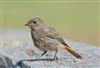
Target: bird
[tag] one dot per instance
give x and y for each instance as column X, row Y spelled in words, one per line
column 46, row 38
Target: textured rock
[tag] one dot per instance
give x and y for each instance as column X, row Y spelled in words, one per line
column 12, row 52
column 6, row 62
column 11, row 58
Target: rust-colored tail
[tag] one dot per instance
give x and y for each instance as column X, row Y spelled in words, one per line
column 72, row 52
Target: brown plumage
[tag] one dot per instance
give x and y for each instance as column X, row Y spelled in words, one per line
column 46, row 38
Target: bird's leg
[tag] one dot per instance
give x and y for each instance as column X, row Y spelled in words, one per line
column 20, row 62
column 55, row 57
column 42, row 54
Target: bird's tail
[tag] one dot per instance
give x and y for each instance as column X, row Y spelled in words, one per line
column 73, row 52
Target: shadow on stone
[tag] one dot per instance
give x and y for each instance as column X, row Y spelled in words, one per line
column 22, row 65
column 6, row 62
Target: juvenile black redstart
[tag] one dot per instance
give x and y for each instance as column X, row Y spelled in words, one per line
column 46, row 38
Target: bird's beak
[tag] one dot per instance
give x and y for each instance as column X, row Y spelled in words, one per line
column 26, row 24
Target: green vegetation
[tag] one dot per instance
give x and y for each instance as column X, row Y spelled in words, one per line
column 74, row 20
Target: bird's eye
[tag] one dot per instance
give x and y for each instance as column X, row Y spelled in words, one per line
column 34, row 22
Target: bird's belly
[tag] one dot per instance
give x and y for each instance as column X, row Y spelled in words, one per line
column 52, row 46
column 37, row 45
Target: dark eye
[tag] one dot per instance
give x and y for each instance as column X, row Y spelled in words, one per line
column 34, row 22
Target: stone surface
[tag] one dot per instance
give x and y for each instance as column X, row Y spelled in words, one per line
column 17, row 46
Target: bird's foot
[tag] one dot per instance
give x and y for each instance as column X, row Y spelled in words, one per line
column 55, row 58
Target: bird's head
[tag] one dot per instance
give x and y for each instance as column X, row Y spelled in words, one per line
column 35, row 23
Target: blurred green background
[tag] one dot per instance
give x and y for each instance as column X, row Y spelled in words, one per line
column 77, row 21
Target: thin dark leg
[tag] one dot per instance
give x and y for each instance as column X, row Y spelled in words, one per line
column 20, row 62
column 34, row 59
column 43, row 53
column 55, row 57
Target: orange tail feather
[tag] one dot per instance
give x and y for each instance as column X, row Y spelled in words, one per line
column 70, row 50
column 74, row 53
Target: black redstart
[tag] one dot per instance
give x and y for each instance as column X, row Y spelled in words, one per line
column 46, row 38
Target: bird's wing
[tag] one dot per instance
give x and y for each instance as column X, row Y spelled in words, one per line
column 54, row 35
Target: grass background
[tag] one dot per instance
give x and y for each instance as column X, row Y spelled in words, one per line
column 74, row 20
